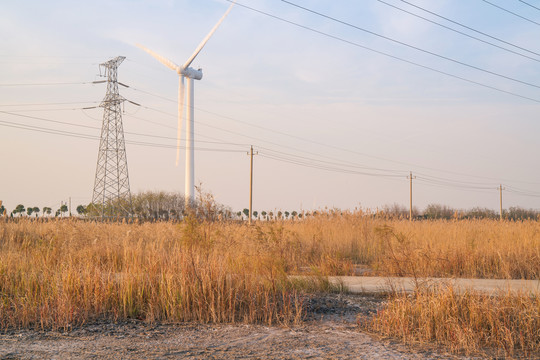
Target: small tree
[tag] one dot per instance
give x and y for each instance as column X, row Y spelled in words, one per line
column 19, row 209
column 63, row 209
column 47, row 210
column 36, row 210
column 81, row 210
column 29, row 211
column 2, row 210
column 255, row 214
column 294, row 214
column 263, row 213
column 287, row 214
column 279, row 214
column 246, row 212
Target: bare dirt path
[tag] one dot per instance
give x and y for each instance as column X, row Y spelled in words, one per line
column 373, row 284
column 329, row 332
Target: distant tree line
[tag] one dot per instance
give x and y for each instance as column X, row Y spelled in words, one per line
column 31, row 211
column 165, row 206
column 437, row 211
column 397, row 211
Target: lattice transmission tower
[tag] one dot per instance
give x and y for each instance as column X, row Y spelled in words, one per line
column 112, row 197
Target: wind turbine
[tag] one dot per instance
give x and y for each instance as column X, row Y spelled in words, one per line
column 185, row 71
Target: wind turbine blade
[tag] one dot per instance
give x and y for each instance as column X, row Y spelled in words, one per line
column 168, row 63
column 180, row 116
column 201, row 45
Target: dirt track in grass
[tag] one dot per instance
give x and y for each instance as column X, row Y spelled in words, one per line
column 330, row 331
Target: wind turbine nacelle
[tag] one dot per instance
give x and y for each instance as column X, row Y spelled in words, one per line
column 192, row 73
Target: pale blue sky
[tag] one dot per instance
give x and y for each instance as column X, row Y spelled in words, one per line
column 294, row 94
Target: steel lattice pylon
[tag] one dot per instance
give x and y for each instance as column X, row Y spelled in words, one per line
column 112, row 197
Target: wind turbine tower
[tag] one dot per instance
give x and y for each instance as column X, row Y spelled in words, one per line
column 186, row 71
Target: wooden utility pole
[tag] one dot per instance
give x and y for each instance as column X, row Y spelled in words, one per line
column 251, row 184
column 410, row 177
column 500, row 201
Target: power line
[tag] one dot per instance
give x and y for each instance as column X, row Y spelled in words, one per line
column 324, row 163
column 274, row 143
column 464, row 183
column 267, row 129
column 411, row 46
column 439, row 186
column 387, row 54
column 323, row 167
column 510, row 12
column 455, row 185
column 93, row 137
column 461, row 32
column 309, row 141
column 276, row 157
column 46, row 84
column 97, row 128
column 468, row 27
column 526, row 3
column 338, row 167
column 50, row 104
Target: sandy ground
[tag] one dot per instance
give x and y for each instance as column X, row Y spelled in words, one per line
column 373, row 284
column 330, row 331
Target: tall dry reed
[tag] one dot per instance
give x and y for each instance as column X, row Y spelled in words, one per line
column 506, row 324
column 60, row 273
column 64, row 273
column 439, row 248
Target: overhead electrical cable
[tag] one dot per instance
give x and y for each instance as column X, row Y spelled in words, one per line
column 394, row 172
column 411, row 46
column 42, row 110
column 522, row 191
column 98, row 128
column 465, row 183
column 307, row 140
column 458, row 188
column 246, row 136
column 50, row 104
column 387, row 54
column 469, row 28
column 339, row 167
column 92, row 137
column 271, row 130
column 46, row 84
column 529, row 4
column 456, row 185
column 324, row 167
column 462, row 33
column 214, row 140
column 511, row 12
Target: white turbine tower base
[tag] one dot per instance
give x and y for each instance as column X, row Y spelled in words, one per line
column 190, row 144
column 185, row 71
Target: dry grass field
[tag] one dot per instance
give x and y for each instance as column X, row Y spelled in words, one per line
column 508, row 324
column 58, row 274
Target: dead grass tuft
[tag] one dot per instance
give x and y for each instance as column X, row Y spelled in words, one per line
column 505, row 324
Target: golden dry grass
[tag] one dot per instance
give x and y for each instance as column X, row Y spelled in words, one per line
column 439, row 248
column 62, row 273
column 506, row 324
